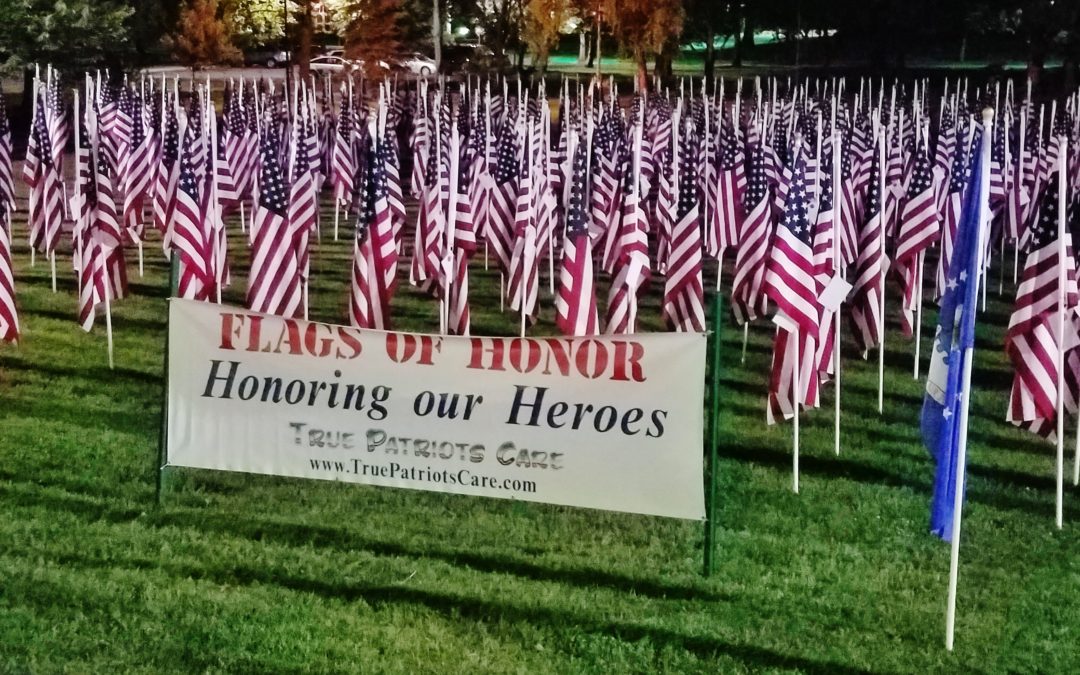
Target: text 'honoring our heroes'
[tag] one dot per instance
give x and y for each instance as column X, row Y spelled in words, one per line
column 610, row 423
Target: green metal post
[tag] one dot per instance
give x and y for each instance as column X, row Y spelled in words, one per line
column 163, row 438
column 714, row 438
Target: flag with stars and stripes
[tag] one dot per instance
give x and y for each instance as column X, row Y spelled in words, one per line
column 684, row 296
column 575, row 300
column 726, row 195
column 189, row 233
column 791, row 284
column 374, row 249
column 950, row 216
column 631, row 256
column 919, row 228
column 747, row 295
column 168, row 172
column 274, row 280
column 9, row 316
column 1032, row 341
column 42, row 175
column 870, row 266
column 502, row 196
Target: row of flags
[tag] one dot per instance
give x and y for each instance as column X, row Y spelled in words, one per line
column 803, row 188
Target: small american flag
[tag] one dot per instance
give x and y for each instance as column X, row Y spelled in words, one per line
column 374, row 250
column 188, row 235
column 274, row 280
column 869, row 266
column 684, row 296
column 1031, row 341
column 9, row 317
column 747, row 296
column 950, row 218
column 919, row 228
column 575, row 302
column 790, row 282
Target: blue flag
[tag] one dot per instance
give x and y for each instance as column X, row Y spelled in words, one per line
column 955, row 334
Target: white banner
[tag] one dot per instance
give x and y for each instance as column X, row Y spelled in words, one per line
column 611, row 423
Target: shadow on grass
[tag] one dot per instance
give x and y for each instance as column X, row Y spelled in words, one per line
column 305, row 535
column 996, row 495
column 97, row 373
column 477, row 610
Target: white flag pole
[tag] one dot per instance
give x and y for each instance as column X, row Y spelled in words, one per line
column 919, row 260
column 1061, row 234
column 838, row 210
column 795, row 420
column 881, row 282
column 965, row 402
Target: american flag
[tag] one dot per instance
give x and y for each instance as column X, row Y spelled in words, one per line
column 684, row 297
column 135, row 168
column 631, row 260
column 303, row 200
column 388, row 150
column 108, row 229
column 524, row 280
column 869, row 267
column 89, row 258
column 575, row 302
column 274, row 280
column 824, row 269
column 790, row 282
column 7, row 182
column 1031, row 341
column 726, row 215
column 747, row 294
column 999, row 166
column 343, row 160
column 464, row 238
column 604, row 180
column 919, row 228
column 43, row 177
column 429, row 239
column 502, row 204
column 190, row 235
column 9, row 317
column 950, row 218
column 374, row 251
column 168, row 173
column 420, row 143
column 789, row 271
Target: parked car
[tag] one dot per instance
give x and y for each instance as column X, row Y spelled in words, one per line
column 417, row 64
column 334, row 64
column 271, row 57
column 467, row 56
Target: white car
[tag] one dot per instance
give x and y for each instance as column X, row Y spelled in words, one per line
column 418, row 64
column 334, row 64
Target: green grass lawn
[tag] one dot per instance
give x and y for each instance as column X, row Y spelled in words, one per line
column 248, row 573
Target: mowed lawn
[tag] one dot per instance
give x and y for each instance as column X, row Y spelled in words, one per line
column 248, row 573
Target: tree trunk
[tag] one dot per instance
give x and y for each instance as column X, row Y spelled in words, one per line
column 1036, row 61
column 744, row 43
column 583, row 48
column 642, row 73
column 436, row 34
column 306, row 29
column 710, row 52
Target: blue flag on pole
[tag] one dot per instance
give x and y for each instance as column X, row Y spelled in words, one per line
column 955, row 335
